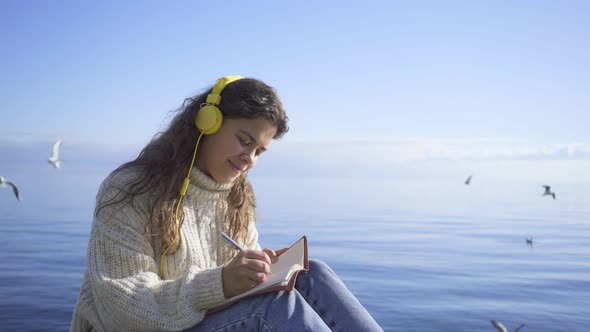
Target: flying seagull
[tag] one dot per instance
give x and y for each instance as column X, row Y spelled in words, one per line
column 5, row 183
column 54, row 159
column 468, row 180
column 501, row 327
column 548, row 191
column 529, row 242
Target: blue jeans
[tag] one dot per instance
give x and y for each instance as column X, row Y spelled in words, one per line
column 319, row 302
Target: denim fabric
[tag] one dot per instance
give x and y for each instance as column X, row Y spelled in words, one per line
column 319, row 302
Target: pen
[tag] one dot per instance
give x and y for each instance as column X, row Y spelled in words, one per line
column 231, row 241
column 234, row 243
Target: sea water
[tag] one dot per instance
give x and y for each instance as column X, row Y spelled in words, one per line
column 419, row 258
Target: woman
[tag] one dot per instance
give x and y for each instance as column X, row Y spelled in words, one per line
column 156, row 260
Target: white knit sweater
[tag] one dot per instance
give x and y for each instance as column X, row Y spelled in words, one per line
column 122, row 290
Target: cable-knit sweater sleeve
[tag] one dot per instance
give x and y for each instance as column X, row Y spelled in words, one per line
column 126, row 289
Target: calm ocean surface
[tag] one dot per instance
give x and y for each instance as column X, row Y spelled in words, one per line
column 419, row 259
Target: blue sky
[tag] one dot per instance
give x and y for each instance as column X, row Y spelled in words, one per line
column 387, row 80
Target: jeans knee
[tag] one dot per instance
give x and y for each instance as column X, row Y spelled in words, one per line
column 317, row 265
column 319, row 273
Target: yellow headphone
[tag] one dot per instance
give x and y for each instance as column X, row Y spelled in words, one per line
column 208, row 121
column 209, row 117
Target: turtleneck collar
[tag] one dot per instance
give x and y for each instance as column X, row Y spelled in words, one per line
column 201, row 182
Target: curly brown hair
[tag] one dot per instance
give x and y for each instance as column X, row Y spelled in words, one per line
column 163, row 163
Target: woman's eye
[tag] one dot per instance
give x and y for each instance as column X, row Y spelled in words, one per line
column 243, row 141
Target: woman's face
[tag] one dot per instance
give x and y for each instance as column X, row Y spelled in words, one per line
column 235, row 148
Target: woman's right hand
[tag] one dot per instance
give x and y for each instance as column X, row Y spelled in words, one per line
column 245, row 271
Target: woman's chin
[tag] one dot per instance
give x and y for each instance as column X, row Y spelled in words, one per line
column 225, row 179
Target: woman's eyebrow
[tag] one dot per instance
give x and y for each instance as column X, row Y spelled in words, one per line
column 252, row 138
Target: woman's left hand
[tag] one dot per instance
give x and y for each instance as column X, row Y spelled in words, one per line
column 274, row 255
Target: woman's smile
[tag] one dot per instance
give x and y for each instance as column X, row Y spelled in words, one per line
column 234, row 167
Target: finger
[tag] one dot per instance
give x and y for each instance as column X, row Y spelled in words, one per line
column 255, row 277
column 259, row 255
column 258, row 266
column 272, row 254
column 259, row 277
column 247, row 284
column 269, row 252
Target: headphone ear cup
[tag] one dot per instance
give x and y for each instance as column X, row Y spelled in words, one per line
column 208, row 119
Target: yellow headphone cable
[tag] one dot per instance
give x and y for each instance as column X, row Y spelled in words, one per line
column 208, row 121
column 182, row 194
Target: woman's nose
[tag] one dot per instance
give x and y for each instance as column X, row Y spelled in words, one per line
column 249, row 157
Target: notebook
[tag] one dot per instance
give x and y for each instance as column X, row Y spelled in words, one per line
column 283, row 276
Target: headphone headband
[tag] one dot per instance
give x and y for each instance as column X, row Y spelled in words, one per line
column 214, row 98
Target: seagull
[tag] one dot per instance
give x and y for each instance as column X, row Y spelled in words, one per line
column 529, row 242
column 548, row 191
column 468, row 180
column 5, row 183
column 54, row 159
column 501, row 327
